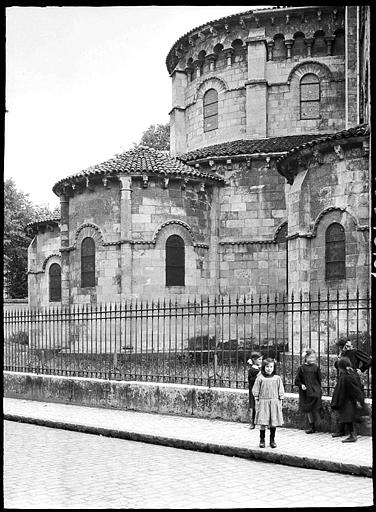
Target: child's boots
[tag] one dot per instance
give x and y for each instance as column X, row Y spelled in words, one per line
column 272, row 438
column 351, row 439
column 312, row 429
column 262, row 439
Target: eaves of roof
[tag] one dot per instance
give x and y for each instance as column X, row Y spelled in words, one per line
column 42, row 221
column 248, row 147
column 140, row 161
column 356, row 131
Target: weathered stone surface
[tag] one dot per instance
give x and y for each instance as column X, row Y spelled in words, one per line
column 199, row 401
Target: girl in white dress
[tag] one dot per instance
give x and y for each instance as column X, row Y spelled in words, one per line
column 268, row 391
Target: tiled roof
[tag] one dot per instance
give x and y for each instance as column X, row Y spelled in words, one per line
column 243, row 147
column 42, row 220
column 140, row 160
column 356, row 131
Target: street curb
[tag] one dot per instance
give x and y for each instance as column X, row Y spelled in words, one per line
column 185, row 444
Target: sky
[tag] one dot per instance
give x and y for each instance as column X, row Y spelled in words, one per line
column 84, row 83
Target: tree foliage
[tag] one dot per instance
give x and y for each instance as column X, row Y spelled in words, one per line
column 18, row 211
column 157, row 136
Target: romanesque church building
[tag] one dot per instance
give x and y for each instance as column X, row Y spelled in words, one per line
column 265, row 189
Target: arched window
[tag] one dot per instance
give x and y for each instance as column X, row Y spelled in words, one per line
column 210, row 110
column 309, row 97
column 279, row 51
column 175, row 261
column 335, row 252
column 299, row 48
column 54, row 275
column 319, row 47
column 87, row 262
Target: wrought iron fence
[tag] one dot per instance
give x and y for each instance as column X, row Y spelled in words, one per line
column 201, row 341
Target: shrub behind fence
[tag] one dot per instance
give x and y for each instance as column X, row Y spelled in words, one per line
column 204, row 342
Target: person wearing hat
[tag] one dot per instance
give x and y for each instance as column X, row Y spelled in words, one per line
column 360, row 360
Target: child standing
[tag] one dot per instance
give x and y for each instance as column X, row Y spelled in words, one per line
column 268, row 392
column 348, row 399
column 255, row 362
column 308, row 380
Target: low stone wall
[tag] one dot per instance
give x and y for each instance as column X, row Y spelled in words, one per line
column 185, row 400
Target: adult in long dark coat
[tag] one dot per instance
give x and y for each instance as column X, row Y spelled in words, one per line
column 348, row 399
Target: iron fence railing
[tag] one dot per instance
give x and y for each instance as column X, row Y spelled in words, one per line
column 201, row 341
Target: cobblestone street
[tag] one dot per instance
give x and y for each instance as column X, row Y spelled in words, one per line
column 51, row 468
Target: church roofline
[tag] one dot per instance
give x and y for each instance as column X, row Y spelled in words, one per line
column 259, row 13
column 33, row 226
column 139, row 161
column 271, row 146
column 362, row 130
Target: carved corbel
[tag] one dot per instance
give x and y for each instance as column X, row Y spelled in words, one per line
column 201, row 35
column 105, row 182
column 287, row 19
column 272, row 20
column 229, row 164
column 145, row 180
column 339, row 151
column 249, row 162
column 227, row 28
column 89, row 186
column 191, row 41
column 267, row 162
column 197, row 166
column 335, row 14
column 319, row 15
column 257, row 21
column 317, row 155
column 242, row 22
column 212, row 165
column 213, row 31
column 202, row 187
column 301, row 161
column 184, row 183
column 165, row 182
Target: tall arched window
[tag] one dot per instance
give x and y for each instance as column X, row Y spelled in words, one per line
column 309, row 97
column 54, row 275
column 210, row 110
column 175, row 261
column 87, row 262
column 335, row 252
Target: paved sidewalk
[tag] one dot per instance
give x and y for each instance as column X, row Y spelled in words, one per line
column 295, row 447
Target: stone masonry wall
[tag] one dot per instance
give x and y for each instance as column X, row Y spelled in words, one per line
column 230, row 63
column 95, row 213
column 157, row 213
column 42, row 252
column 284, row 95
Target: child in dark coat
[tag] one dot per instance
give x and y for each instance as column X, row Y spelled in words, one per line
column 308, row 380
column 348, row 399
column 255, row 362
